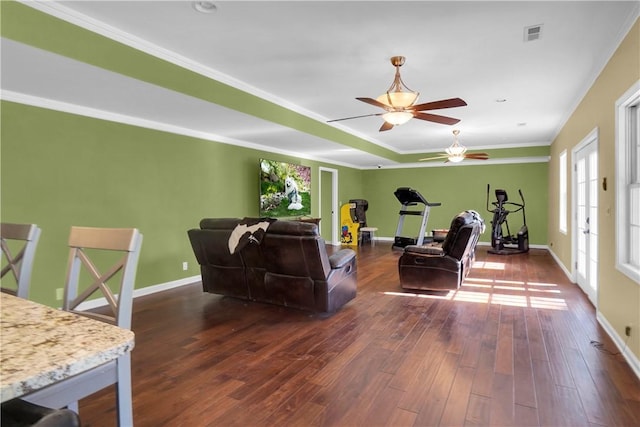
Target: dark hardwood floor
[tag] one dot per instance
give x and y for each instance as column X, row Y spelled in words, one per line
column 512, row 347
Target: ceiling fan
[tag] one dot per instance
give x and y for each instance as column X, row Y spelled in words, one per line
column 398, row 104
column 457, row 152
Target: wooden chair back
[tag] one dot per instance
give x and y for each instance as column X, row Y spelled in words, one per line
column 20, row 264
column 84, row 241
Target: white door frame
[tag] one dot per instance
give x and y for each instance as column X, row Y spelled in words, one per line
column 591, row 138
column 334, row 202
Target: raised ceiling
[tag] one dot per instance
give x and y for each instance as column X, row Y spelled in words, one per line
column 315, row 58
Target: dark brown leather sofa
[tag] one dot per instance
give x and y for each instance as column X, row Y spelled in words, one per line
column 434, row 267
column 289, row 266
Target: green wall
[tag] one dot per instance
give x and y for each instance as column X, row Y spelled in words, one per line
column 458, row 188
column 59, row 170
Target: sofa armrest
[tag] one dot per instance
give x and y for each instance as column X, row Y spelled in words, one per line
column 341, row 258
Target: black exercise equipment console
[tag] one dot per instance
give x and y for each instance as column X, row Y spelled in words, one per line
column 507, row 244
column 410, row 197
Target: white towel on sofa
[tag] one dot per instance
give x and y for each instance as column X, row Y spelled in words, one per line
column 249, row 230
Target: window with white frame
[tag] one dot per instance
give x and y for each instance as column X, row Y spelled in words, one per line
column 628, row 183
column 562, row 210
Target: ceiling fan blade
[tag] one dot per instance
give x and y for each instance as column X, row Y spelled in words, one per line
column 436, row 105
column 386, row 126
column 477, row 156
column 440, row 157
column 373, row 102
column 355, row 117
column 436, row 118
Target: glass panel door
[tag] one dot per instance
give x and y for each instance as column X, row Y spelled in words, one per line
column 586, row 217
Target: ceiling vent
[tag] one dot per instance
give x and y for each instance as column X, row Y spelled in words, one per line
column 532, row 33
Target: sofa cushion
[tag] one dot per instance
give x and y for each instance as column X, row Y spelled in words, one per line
column 294, row 228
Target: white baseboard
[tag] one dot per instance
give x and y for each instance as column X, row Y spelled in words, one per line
column 628, row 355
column 100, row 302
column 562, row 267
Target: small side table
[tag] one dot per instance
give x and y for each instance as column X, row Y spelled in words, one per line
column 372, row 233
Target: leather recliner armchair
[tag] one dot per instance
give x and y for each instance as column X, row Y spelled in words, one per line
column 289, row 267
column 443, row 267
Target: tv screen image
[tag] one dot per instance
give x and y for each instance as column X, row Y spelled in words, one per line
column 285, row 189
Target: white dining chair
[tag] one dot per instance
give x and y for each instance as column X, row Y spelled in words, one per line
column 86, row 240
column 21, row 264
column 89, row 245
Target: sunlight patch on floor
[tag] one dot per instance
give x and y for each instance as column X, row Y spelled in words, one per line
column 547, row 291
column 512, row 300
column 472, row 296
column 489, row 265
column 550, row 303
column 510, row 288
column 512, row 293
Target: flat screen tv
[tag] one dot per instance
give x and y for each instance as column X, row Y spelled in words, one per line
column 285, row 189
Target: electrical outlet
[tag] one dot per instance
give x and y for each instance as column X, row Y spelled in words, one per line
column 627, row 331
column 185, row 266
column 59, row 293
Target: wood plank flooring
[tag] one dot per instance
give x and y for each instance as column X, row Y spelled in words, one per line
column 512, row 347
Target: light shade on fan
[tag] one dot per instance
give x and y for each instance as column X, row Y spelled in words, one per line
column 398, row 98
column 455, row 158
column 397, row 117
column 456, row 150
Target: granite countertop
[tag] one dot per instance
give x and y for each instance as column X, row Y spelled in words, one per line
column 40, row 345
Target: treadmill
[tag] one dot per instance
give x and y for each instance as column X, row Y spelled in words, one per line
column 409, row 197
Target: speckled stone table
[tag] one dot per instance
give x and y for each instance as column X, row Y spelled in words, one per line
column 41, row 346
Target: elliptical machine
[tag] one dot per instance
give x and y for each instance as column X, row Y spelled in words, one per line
column 507, row 244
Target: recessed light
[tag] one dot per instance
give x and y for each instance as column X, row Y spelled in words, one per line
column 501, row 100
column 204, row 6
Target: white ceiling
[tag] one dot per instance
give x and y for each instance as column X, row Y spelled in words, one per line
column 317, row 57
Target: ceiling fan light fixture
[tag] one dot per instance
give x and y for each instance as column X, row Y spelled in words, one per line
column 398, row 99
column 397, row 117
column 456, row 151
column 398, row 95
column 456, row 158
column 399, row 104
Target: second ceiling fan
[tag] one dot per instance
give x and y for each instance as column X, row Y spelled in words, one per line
column 457, row 152
column 398, row 104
